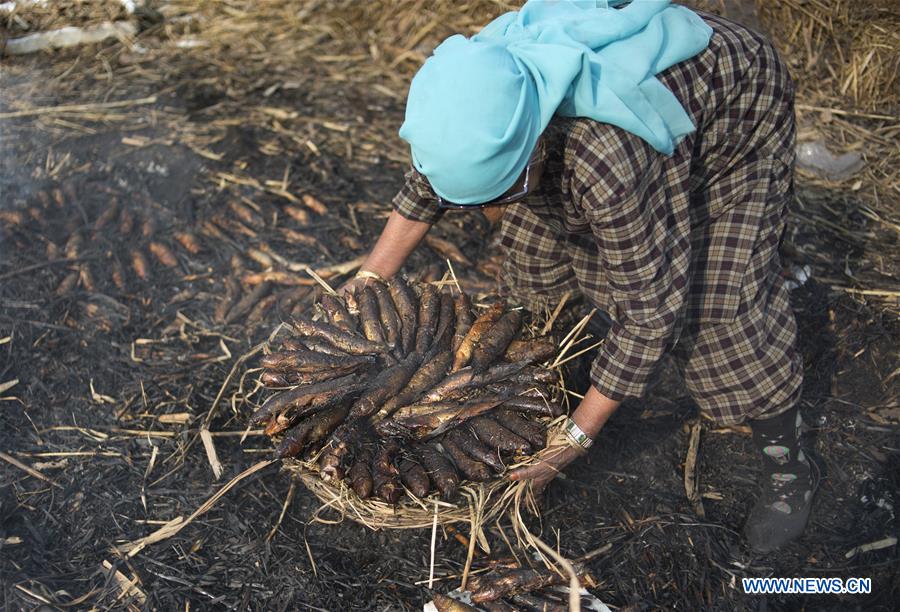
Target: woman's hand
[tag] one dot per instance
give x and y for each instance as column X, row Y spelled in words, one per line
column 358, row 282
column 591, row 415
column 555, row 458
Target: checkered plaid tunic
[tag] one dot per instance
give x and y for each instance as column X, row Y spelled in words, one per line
column 682, row 250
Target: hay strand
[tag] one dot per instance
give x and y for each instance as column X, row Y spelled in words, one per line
column 76, row 108
column 178, row 523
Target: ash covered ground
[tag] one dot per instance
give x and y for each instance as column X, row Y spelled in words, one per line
column 119, row 352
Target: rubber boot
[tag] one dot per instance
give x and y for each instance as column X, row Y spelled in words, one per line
column 787, row 483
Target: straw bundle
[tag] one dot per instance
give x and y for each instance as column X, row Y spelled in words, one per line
column 399, row 392
column 476, row 504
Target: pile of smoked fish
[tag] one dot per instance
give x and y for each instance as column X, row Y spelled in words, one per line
column 404, row 387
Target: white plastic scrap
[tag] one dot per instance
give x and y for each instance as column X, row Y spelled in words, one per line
column 797, row 277
column 463, row 596
column 588, row 601
column 816, row 158
column 68, row 37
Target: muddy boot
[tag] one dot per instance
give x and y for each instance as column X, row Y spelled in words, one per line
column 787, row 483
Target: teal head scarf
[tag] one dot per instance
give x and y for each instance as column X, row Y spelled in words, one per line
column 478, row 105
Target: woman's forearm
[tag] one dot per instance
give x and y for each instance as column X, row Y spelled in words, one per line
column 398, row 239
column 593, row 412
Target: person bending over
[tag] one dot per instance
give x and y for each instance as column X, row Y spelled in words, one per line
column 640, row 155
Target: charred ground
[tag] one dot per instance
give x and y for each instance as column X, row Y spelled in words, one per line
column 116, row 378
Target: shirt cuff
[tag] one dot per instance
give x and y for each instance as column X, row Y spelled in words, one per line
column 416, row 201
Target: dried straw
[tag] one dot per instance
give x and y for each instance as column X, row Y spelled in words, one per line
column 178, row 523
column 479, row 504
column 840, row 49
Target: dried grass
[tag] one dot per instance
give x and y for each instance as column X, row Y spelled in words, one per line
column 486, row 501
column 839, row 50
column 842, row 54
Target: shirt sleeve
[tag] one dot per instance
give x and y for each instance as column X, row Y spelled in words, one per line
column 416, row 201
column 624, row 196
